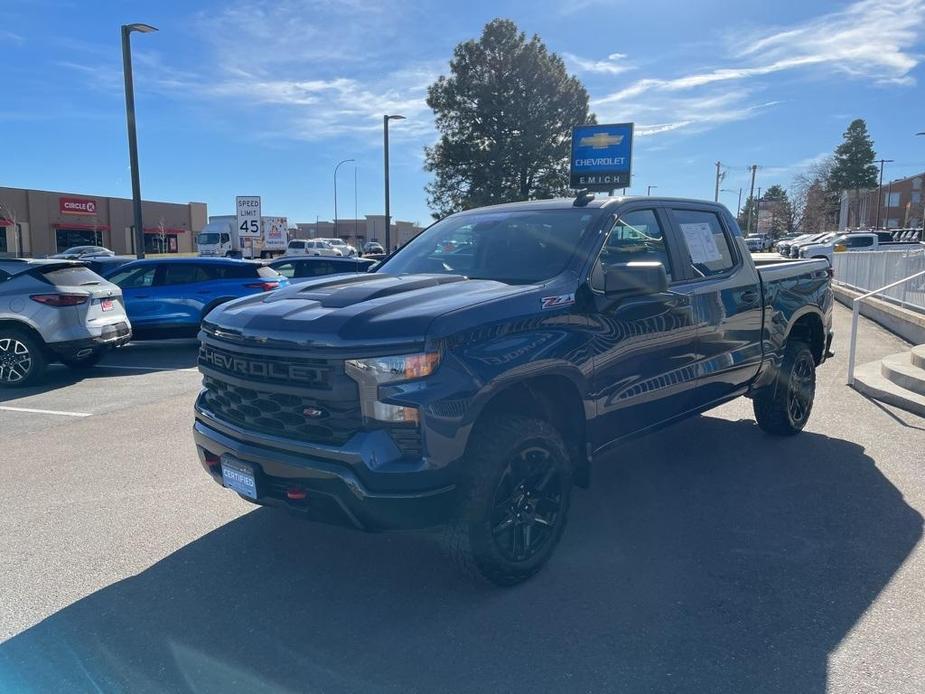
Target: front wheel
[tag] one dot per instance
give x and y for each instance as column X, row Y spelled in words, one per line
column 22, row 359
column 783, row 408
column 518, row 481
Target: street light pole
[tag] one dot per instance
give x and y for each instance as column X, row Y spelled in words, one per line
column 335, row 193
column 739, row 204
column 355, row 218
column 385, row 148
column 880, row 190
column 649, row 190
column 127, row 30
column 751, row 196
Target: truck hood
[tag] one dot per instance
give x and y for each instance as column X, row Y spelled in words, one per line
column 357, row 310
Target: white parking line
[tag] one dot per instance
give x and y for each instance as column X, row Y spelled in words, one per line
column 33, row 411
column 142, row 368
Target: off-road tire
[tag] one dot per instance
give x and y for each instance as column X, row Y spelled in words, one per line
column 775, row 407
column 12, row 344
column 500, row 449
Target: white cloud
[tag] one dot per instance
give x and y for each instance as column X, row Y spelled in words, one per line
column 614, row 64
column 870, row 39
column 11, row 37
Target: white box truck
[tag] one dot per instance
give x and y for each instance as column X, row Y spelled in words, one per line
column 221, row 238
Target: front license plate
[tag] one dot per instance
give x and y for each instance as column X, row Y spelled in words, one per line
column 106, row 304
column 239, row 477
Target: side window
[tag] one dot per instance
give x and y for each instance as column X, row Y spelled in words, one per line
column 860, row 241
column 318, row 269
column 285, row 269
column 183, row 273
column 226, row 238
column 636, row 235
column 707, row 245
column 135, row 278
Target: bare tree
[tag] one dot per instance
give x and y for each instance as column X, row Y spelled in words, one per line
column 815, row 199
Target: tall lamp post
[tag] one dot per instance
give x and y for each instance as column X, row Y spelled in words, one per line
column 880, row 189
column 649, row 190
column 335, row 192
column 127, row 30
column 738, row 204
column 385, row 148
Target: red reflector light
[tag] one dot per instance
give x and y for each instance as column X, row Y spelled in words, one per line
column 263, row 286
column 211, row 459
column 296, row 494
column 60, row 299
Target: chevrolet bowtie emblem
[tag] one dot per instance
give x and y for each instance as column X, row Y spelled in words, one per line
column 600, row 140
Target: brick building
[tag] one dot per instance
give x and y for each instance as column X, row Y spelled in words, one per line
column 356, row 232
column 902, row 205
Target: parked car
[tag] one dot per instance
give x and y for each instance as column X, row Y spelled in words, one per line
column 816, row 238
column 471, row 391
column 758, row 243
column 105, row 265
column 853, row 241
column 79, row 252
column 345, row 248
column 311, row 247
column 55, row 310
column 169, row 297
column 301, row 269
column 373, row 249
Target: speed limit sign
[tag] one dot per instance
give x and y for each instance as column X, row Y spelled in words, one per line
column 248, row 209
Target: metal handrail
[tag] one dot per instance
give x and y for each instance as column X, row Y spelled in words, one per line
column 856, row 313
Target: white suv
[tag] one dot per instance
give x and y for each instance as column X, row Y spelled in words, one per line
column 345, row 248
column 55, row 310
column 311, row 247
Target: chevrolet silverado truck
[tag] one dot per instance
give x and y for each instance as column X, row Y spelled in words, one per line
column 474, row 378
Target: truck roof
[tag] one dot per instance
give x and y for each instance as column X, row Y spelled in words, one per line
column 592, row 203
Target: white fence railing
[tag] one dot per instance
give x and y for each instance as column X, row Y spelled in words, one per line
column 867, row 270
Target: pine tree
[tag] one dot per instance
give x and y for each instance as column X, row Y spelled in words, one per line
column 853, row 166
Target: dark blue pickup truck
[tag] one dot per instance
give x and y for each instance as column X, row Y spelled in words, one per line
column 472, row 380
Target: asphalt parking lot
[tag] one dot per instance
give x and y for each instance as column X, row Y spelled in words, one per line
column 705, row 558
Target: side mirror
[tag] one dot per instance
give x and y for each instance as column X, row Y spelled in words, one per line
column 635, row 278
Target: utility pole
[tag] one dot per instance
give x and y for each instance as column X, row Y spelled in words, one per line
column 719, row 177
column 355, row 218
column 880, row 190
column 649, row 190
column 751, row 196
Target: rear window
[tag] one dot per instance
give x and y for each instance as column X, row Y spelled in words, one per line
column 69, row 276
column 296, row 244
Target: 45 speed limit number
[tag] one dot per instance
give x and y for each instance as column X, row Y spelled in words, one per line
column 248, row 213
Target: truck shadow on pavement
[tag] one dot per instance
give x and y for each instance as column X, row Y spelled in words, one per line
column 706, row 558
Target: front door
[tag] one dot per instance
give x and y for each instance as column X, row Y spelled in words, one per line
column 644, row 345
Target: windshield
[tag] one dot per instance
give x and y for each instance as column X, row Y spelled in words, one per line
column 207, row 238
column 513, row 247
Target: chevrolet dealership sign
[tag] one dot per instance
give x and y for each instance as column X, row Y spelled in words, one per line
column 601, row 156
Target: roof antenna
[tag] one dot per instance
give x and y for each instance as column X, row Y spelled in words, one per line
column 583, row 197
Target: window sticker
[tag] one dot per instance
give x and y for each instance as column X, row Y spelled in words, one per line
column 700, row 243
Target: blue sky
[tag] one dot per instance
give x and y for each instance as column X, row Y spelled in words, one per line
column 264, row 97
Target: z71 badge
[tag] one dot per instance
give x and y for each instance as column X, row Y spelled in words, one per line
column 557, row 301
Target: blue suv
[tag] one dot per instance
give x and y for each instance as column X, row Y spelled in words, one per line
column 170, row 297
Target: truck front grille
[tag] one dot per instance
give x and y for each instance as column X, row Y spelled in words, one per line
column 282, row 414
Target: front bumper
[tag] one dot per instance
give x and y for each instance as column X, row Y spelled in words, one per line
column 325, row 490
column 113, row 335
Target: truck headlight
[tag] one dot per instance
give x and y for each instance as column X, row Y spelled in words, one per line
column 372, row 373
column 383, row 370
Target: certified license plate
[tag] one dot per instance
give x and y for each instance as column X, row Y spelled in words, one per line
column 239, row 477
column 106, row 304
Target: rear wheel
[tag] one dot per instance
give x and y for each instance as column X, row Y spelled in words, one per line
column 519, row 480
column 22, row 358
column 783, row 408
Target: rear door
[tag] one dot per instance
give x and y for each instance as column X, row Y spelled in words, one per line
column 726, row 298
column 182, row 290
column 137, row 285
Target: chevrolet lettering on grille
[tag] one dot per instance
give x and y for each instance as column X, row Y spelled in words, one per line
column 257, row 368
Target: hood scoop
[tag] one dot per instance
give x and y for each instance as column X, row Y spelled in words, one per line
column 342, row 294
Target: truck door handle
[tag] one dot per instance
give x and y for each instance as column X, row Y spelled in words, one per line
column 749, row 296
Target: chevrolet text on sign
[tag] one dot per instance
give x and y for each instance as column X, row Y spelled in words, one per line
column 76, row 206
column 248, row 209
column 601, row 156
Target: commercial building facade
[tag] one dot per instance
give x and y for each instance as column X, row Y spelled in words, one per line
column 36, row 223
column 902, row 205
